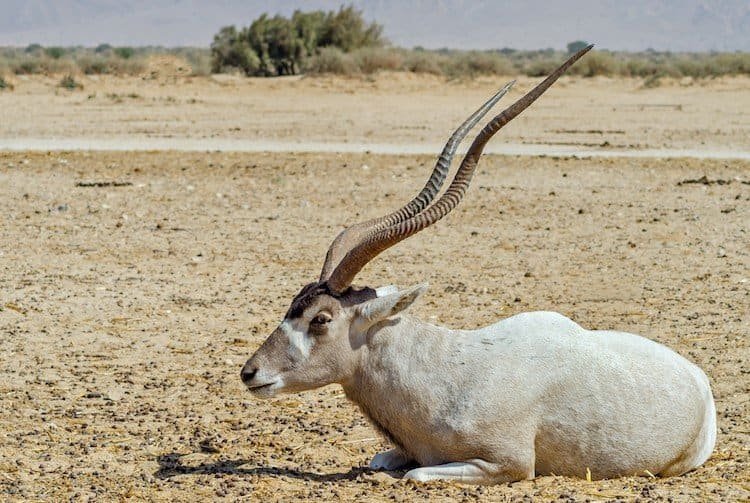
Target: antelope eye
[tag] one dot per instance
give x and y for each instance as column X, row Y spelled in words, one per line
column 321, row 319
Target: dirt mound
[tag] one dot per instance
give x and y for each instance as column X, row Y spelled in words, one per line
column 167, row 68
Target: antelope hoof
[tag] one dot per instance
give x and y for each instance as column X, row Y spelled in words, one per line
column 389, row 460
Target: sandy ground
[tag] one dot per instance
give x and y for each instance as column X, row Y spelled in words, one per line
column 225, row 112
column 126, row 312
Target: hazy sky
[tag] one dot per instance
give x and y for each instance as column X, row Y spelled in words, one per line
column 692, row 25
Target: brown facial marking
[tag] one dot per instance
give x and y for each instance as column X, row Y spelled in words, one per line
column 311, row 291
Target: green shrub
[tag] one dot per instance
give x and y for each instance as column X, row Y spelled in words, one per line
column 309, row 27
column 576, row 46
column 54, row 52
column 347, row 30
column 274, row 40
column 737, row 63
column 292, row 45
column 5, row 85
column 94, row 65
column 280, row 46
column 69, row 82
column 228, row 51
column 103, row 48
column 32, row 65
column 124, row 52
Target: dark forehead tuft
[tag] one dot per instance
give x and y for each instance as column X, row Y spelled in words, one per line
column 305, row 297
column 311, row 291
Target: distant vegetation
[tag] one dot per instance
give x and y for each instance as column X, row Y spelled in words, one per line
column 283, row 46
column 342, row 42
column 461, row 64
column 70, row 83
column 100, row 60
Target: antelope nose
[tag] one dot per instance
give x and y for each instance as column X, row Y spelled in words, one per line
column 247, row 374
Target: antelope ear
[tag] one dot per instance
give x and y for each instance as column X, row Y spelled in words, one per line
column 380, row 308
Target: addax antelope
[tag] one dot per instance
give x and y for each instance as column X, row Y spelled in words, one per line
column 532, row 394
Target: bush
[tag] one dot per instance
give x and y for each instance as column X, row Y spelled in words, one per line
column 94, row 65
column 5, row 85
column 309, row 27
column 124, row 52
column 229, row 51
column 28, row 67
column 596, row 63
column 42, row 65
column 490, row 64
column 300, row 50
column 103, row 65
column 541, row 67
column 103, row 48
column 371, row 60
column 331, row 60
column 633, row 67
column 419, row 61
column 70, row 83
column 576, row 46
column 54, row 52
column 280, row 46
column 347, row 30
column 275, row 41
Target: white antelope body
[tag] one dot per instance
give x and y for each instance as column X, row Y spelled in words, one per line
column 533, row 394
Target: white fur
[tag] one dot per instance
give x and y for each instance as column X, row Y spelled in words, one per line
column 299, row 343
column 385, row 290
column 533, row 394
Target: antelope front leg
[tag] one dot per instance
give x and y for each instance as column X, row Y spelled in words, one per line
column 390, row 460
column 473, row 471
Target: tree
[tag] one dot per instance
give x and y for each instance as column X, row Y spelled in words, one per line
column 228, row 50
column 279, row 46
column 102, row 48
column 276, row 42
column 125, row 52
column 347, row 30
column 309, row 27
column 577, row 46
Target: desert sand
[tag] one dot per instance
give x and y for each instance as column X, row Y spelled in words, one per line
column 134, row 285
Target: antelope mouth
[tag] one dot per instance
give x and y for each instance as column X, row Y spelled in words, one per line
column 265, row 389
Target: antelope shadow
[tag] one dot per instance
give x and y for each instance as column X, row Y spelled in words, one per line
column 170, row 465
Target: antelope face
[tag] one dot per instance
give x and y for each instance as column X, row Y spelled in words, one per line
column 317, row 342
column 311, row 347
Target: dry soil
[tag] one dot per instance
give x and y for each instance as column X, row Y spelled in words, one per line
column 134, row 285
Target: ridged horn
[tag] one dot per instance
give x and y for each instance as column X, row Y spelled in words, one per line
column 353, row 234
column 373, row 243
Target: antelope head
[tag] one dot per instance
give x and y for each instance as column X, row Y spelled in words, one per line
column 316, row 343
